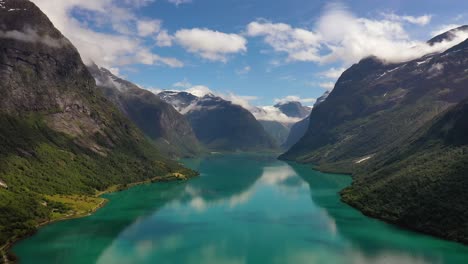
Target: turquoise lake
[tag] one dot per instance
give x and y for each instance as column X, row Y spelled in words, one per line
column 242, row 209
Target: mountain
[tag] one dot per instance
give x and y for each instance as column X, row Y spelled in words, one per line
column 447, row 36
column 376, row 105
column 59, row 134
column 298, row 130
column 219, row 124
column 291, row 113
column 422, row 183
column 277, row 130
column 157, row 119
column 294, row 109
column 400, row 129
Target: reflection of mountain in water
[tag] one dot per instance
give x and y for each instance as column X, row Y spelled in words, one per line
column 226, row 211
column 375, row 241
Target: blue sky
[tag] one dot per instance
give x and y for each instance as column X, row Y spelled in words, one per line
column 255, row 51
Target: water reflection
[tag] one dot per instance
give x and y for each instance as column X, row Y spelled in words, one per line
column 243, row 209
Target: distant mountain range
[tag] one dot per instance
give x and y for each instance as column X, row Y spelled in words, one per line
column 219, row 124
column 169, row 129
column 280, row 129
column 398, row 127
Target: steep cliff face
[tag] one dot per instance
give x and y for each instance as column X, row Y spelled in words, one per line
column 219, row 124
column 159, row 121
column 375, row 105
column 59, row 134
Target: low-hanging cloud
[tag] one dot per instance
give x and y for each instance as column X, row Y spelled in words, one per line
column 264, row 113
column 30, row 35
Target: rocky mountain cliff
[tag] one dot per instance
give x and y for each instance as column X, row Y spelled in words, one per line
column 375, row 105
column 59, row 134
column 219, row 124
column 159, row 121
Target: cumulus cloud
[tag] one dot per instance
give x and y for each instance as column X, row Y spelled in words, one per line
column 299, row 44
column 209, row 44
column 419, row 20
column 163, row 39
column 148, row 27
column 340, row 36
column 113, row 49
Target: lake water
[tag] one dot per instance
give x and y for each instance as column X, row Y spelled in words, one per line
column 242, row 209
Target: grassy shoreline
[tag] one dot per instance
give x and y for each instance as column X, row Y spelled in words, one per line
column 5, row 250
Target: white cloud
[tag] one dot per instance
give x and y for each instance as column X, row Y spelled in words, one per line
column 163, row 39
column 112, row 49
column 30, row 35
column 327, row 85
column 332, row 73
column 268, row 113
column 294, row 98
column 339, row 36
column 271, row 113
column 444, row 28
column 299, row 44
column 183, row 84
column 419, row 20
column 148, row 27
column 179, row 2
column 209, row 44
column 199, row 90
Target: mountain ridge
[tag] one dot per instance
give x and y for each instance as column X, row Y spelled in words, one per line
column 158, row 120
column 219, row 124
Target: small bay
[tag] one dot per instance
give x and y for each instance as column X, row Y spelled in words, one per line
column 242, row 209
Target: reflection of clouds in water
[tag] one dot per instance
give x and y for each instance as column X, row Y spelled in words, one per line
column 214, row 253
column 349, row 256
column 144, row 251
column 275, row 175
column 323, row 243
column 387, row 258
column 219, row 252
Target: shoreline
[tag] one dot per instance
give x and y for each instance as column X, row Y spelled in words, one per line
column 376, row 216
column 5, row 250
